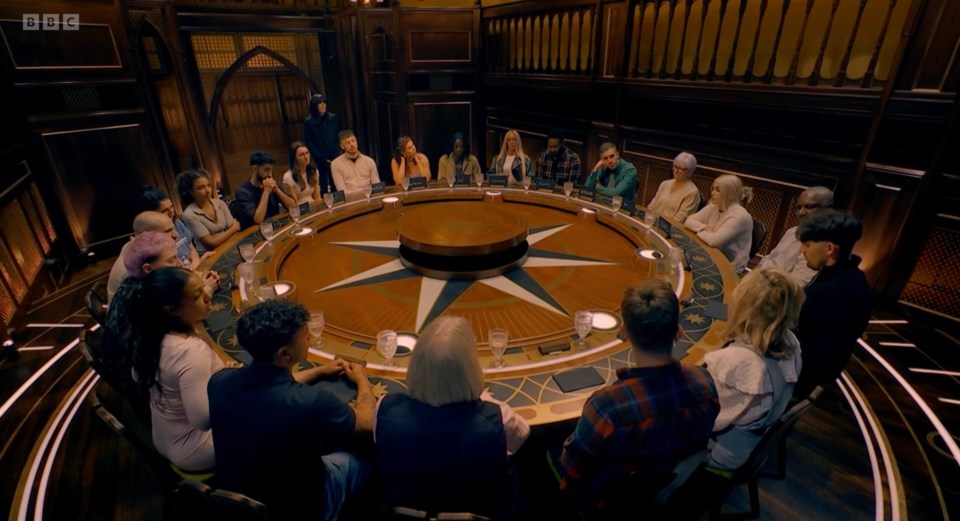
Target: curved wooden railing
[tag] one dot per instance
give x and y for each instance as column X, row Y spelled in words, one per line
column 840, row 43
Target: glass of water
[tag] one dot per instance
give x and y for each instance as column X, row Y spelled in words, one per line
column 315, row 325
column 527, row 181
column 387, row 346
column 451, row 179
column 405, row 183
column 328, row 199
column 247, row 251
column 568, row 188
column 498, row 338
column 617, row 203
column 478, row 178
column 266, row 229
column 295, row 215
column 583, row 323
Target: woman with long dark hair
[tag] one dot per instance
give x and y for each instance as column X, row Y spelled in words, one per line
column 458, row 161
column 407, row 162
column 172, row 364
column 207, row 216
column 301, row 180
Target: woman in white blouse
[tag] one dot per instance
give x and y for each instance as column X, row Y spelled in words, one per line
column 208, row 217
column 724, row 223
column 301, row 181
column 755, row 373
column 677, row 198
column 172, row 364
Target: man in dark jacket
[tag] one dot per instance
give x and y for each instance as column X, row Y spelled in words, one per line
column 837, row 307
column 320, row 131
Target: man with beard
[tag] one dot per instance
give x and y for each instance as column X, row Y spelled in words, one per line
column 557, row 161
column 261, row 196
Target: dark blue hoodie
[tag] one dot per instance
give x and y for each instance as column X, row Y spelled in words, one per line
column 320, row 134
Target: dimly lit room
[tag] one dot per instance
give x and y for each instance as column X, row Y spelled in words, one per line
column 480, row 259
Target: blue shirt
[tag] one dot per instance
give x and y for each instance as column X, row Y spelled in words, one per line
column 184, row 240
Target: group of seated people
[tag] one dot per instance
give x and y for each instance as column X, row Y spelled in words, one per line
column 271, row 432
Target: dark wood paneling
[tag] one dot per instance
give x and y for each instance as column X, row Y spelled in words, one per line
column 435, row 122
column 96, row 169
column 93, row 45
column 450, row 47
column 442, row 38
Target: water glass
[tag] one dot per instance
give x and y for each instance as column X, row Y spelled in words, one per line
column 451, row 180
column 387, row 346
column 367, row 191
column 617, row 203
column 266, row 229
column 583, row 323
column 246, row 270
column 675, row 257
column 405, row 183
column 295, row 215
column 315, row 325
column 328, row 199
column 265, row 293
column 478, row 178
column 498, row 338
column 568, row 188
column 247, row 251
column 527, row 181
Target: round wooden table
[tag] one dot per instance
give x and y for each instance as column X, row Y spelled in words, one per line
column 397, row 262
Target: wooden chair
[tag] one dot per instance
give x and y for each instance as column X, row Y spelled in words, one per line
column 772, row 443
column 198, row 501
column 759, row 234
column 96, row 302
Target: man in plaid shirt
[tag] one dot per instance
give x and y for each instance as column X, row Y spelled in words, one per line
column 557, row 161
column 657, row 414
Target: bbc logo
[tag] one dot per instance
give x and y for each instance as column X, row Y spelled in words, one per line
column 51, row 22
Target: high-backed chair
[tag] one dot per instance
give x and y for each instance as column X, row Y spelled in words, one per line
column 759, row 234
column 120, row 383
column 773, row 442
column 96, row 302
column 198, row 501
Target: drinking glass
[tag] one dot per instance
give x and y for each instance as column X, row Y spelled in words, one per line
column 478, row 178
column 266, row 229
column 387, row 346
column 568, row 188
column 265, row 293
column 650, row 219
column 367, row 191
column 247, row 251
column 315, row 325
column 450, row 180
column 405, row 183
column 295, row 215
column 328, row 199
column 246, row 271
column 498, row 345
column 527, row 181
column 583, row 322
column 675, row 257
column 616, row 203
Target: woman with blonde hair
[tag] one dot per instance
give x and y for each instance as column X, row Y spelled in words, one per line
column 724, row 223
column 755, row 373
column 407, row 162
column 444, row 447
column 512, row 161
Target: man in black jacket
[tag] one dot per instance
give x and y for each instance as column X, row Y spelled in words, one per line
column 837, row 307
column 320, row 131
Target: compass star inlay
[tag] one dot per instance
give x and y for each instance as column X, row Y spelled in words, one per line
column 436, row 295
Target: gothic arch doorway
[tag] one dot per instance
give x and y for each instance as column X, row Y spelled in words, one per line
column 259, row 103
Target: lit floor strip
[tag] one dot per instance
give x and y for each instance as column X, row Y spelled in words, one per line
column 935, row 371
column 26, row 385
column 892, row 479
column 69, row 408
column 36, row 348
column 949, row 400
column 897, row 344
column 889, row 322
column 41, row 324
column 74, row 403
column 934, row 419
column 871, row 450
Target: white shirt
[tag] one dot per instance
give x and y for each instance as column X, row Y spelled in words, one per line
column 352, row 176
column 730, row 231
column 787, row 256
column 303, row 195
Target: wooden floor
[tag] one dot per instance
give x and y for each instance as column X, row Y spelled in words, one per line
column 94, row 474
